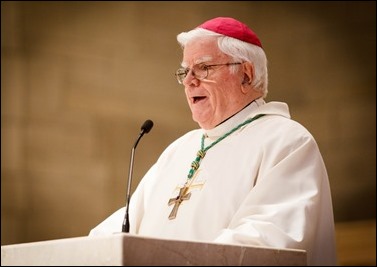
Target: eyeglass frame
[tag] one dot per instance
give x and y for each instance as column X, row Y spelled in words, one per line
column 205, row 67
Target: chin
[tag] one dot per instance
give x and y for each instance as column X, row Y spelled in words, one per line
column 205, row 126
column 203, row 123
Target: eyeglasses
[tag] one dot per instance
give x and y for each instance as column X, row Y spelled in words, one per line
column 199, row 71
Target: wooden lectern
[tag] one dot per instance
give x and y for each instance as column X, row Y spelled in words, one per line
column 131, row 250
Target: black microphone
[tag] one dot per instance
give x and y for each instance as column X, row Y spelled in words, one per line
column 145, row 128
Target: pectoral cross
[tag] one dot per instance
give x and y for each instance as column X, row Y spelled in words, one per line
column 183, row 195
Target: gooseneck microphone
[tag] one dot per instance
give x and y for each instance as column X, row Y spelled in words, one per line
column 145, row 128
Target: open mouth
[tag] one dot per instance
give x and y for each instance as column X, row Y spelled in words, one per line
column 197, row 99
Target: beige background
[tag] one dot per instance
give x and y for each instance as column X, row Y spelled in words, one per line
column 79, row 78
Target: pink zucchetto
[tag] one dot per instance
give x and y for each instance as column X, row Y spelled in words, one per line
column 232, row 28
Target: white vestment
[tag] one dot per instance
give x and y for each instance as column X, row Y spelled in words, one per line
column 263, row 185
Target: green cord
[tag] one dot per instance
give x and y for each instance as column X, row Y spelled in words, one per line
column 202, row 152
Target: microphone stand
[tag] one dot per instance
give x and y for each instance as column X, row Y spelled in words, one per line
column 126, row 221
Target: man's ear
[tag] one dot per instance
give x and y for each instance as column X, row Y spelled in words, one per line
column 246, row 80
column 248, row 75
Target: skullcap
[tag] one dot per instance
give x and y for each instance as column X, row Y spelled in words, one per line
column 232, row 28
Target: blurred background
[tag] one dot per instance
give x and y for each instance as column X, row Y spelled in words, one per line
column 78, row 79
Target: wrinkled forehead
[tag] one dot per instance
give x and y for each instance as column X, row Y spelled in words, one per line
column 201, row 50
column 197, row 61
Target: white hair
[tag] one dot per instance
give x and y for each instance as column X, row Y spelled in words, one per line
column 239, row 51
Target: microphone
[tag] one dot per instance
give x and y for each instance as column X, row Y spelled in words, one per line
column 145, row 128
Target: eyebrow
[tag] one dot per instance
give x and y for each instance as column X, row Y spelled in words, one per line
column 198, row 61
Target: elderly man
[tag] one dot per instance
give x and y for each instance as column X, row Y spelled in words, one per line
column 250, row 174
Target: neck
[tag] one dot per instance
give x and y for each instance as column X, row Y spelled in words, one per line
column 235, row 113
column 235, row 119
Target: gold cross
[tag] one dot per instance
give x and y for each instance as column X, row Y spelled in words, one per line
column 183, row 195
